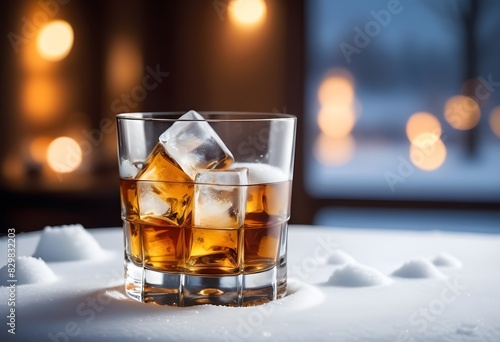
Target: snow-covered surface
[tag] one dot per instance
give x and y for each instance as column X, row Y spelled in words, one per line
column 87, row 301
column 418, row 268
column 357, row 275
column 29, row 270
column 66, row 243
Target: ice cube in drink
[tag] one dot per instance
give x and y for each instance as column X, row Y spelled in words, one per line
column 213, row 243
column 267, row 212
column 220, row 198
column 187, row 146
column 194, row 145
column 158, row 201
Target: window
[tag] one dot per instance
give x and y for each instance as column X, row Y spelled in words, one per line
column 402, row 100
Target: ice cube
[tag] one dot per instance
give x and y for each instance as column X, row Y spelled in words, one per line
column 163, row 201
column 220, row 198
column 128, row 169
column 194, row 145
column 161, row 167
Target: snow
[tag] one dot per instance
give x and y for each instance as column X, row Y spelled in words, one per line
column 357, row 275
column 339, row 257
column 29, row 270
column 418, row 268
column 87, row 302
column 446, row 260
column 67, row 242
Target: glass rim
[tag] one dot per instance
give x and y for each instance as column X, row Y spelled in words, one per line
column 223, row 116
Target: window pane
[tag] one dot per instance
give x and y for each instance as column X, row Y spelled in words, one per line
column 402, row 100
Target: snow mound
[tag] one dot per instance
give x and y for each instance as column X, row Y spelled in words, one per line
column 29, row 270
column 339, row 257
column 67, row 243
column 446, row 260
column 418, row 268
column 357, row 275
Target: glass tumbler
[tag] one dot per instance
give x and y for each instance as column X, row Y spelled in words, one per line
column 205, row 201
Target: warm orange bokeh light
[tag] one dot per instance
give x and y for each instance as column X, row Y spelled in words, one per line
column 495, row 121
column 334, row 151
column 336, row 88
column 124, row 65
column 55, row 40
column 336, row 121
column 64, row 155
column 38, row 149
column 420, row 123
column 337, row 114
column 429, row 153
column 425, row 140
column 13, row 167
column 247, row 12
column 41, row 99
column 462, row 112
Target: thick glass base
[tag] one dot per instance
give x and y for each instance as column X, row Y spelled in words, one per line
column 175, row 289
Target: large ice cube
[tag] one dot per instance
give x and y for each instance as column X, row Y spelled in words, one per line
column 220, row 198
column 163, row 201
column 161, row 167
column 194, row 145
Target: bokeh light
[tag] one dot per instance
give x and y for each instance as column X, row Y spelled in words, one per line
column 462, row 112
column 495, row 121
column 55, row 40
column 336, row 95
column 425, row 140
column 334, row 151
column 41, row 99
column 38, row 148
column 422, row 123
column 428, row 152
column 336, row 121
column 124, row 65
column 337, row 88
column 247, row 12
column 64, row 155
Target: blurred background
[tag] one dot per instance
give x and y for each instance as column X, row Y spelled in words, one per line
column 398, row 102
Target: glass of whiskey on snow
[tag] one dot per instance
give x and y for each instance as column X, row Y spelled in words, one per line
column 205, row 201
